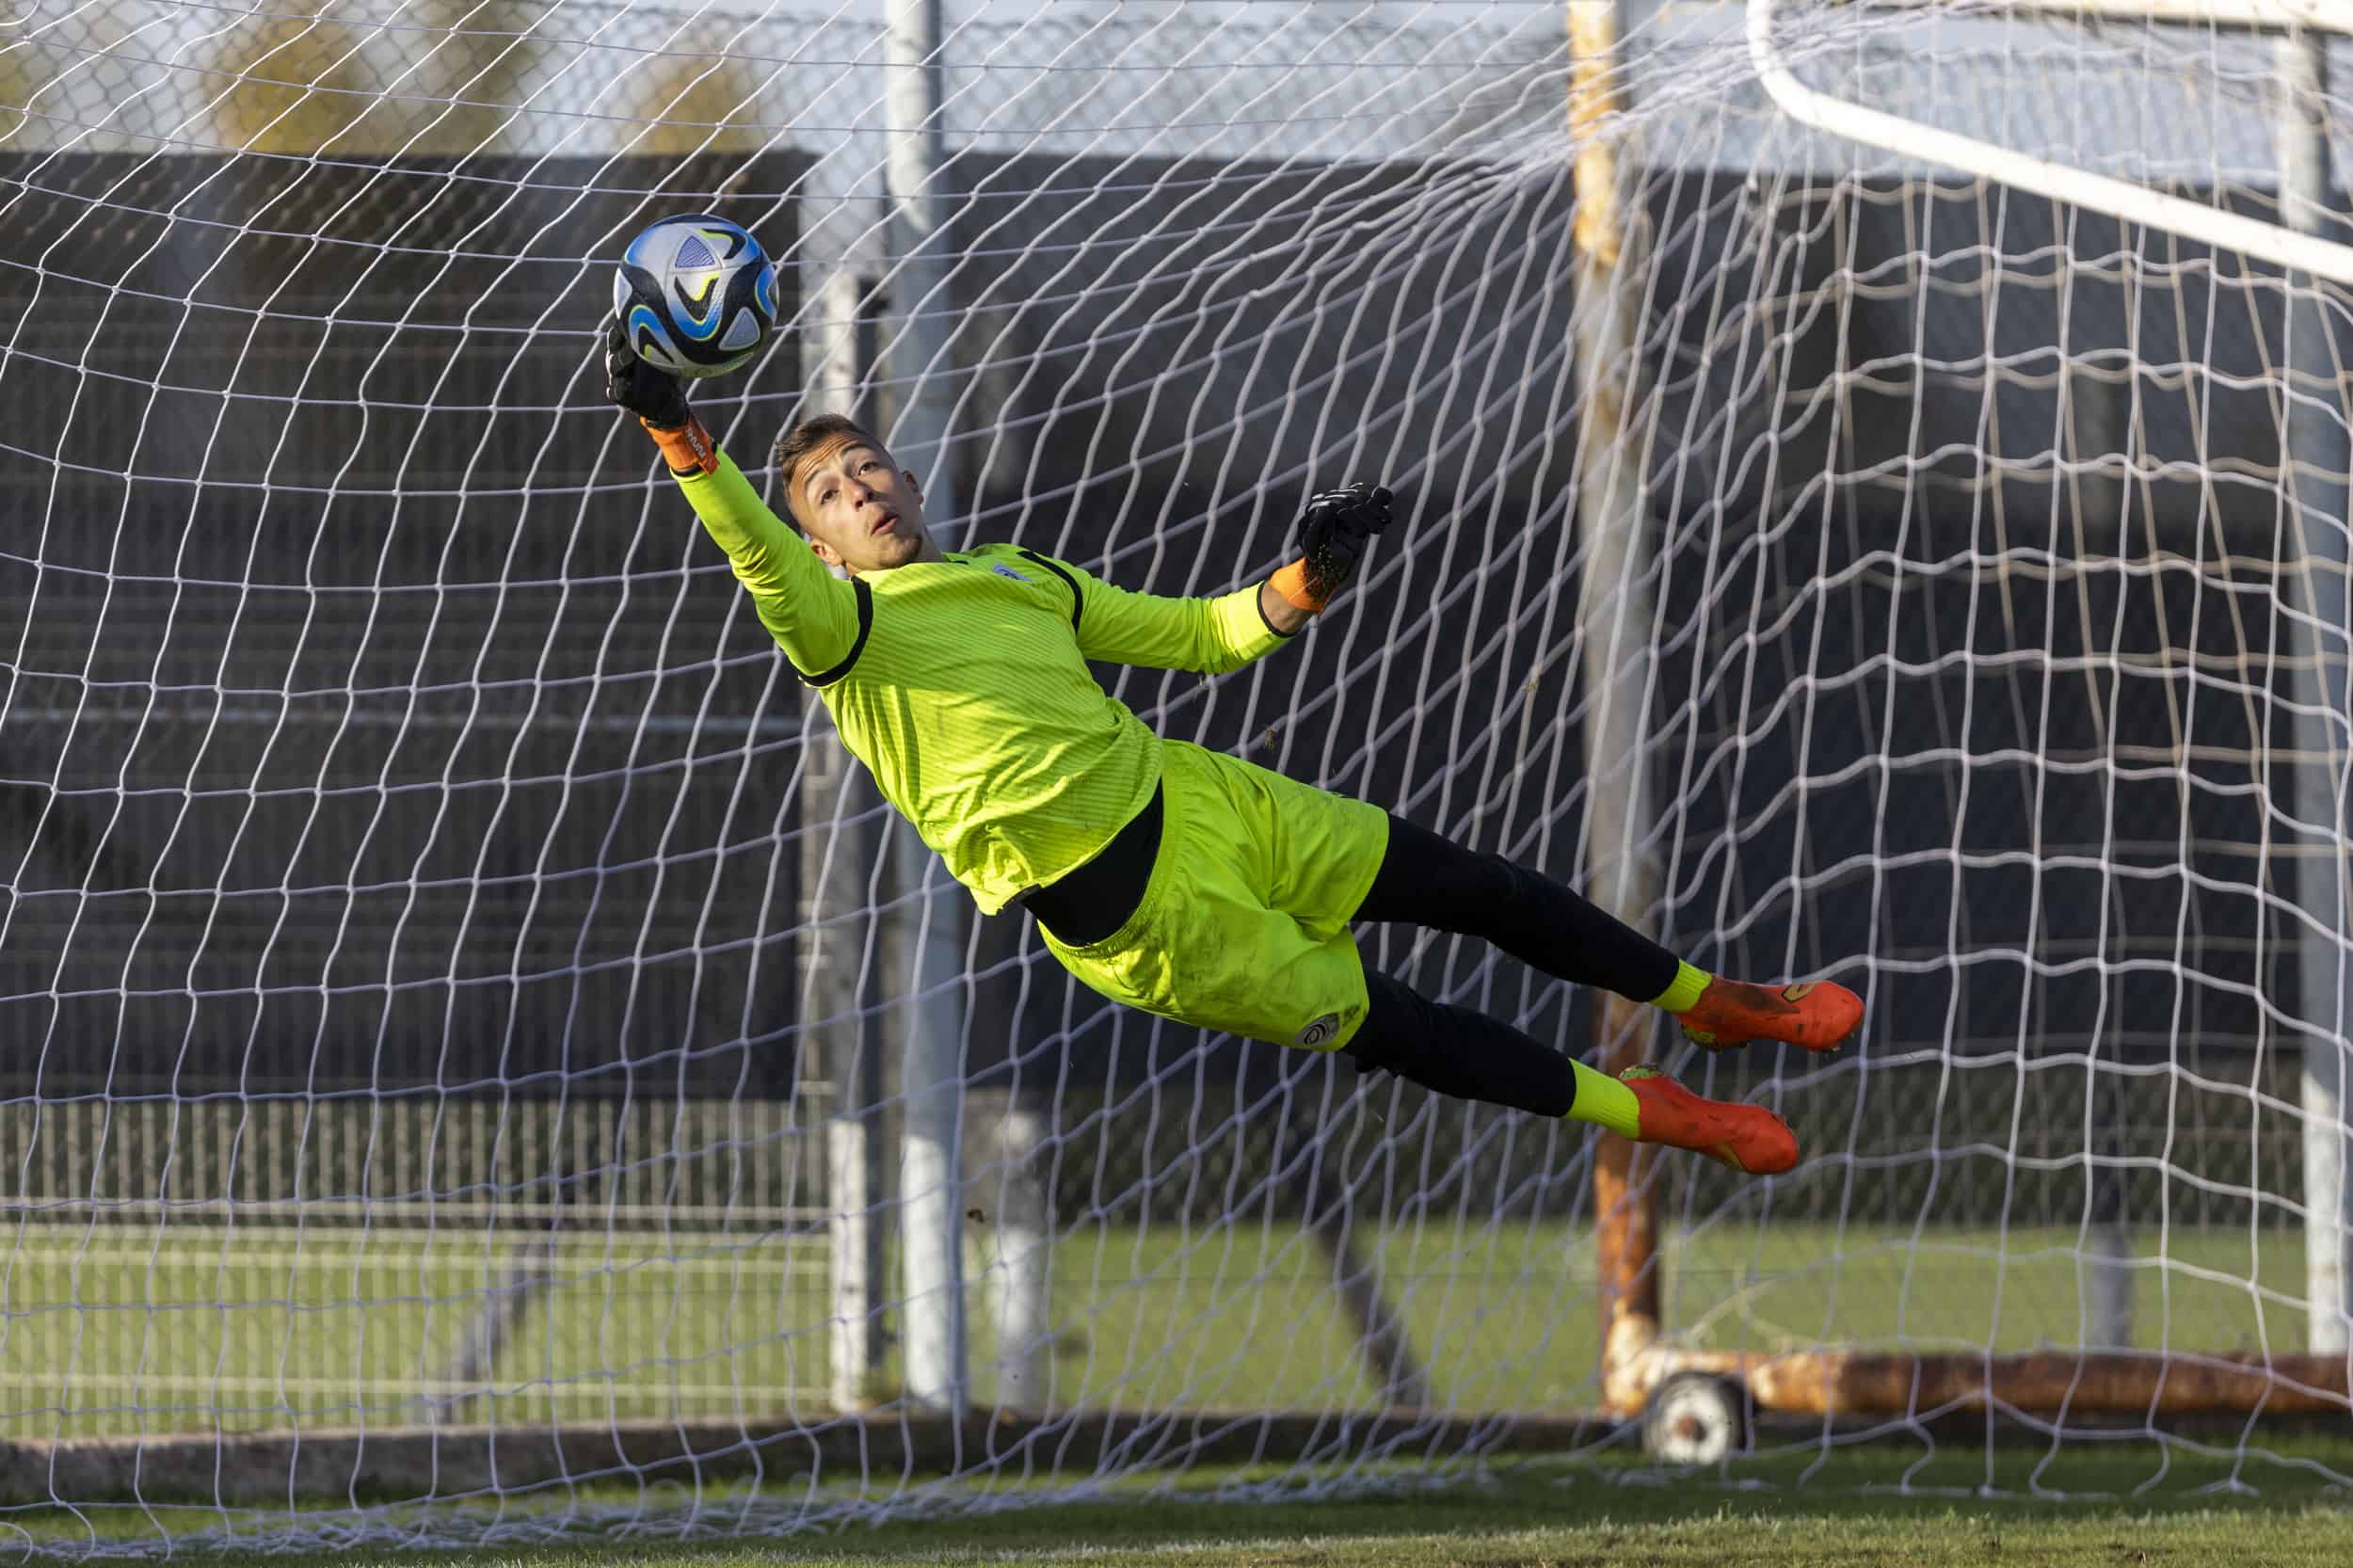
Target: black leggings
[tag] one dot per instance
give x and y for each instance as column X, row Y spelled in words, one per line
column 1433, row 882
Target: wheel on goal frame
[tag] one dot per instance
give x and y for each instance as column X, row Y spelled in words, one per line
column 1696, row 1418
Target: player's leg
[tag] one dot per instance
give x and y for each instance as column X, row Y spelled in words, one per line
column 1242, row 925
column 1430, row 881
column 1470, row 1055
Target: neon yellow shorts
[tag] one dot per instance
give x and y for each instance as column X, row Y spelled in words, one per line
column 1243, row 926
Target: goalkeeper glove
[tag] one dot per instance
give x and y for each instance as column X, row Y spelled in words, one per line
column 1335, row 532
column 658, row 399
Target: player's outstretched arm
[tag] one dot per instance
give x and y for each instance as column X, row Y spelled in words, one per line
column 812, row 614
column 1228, row 631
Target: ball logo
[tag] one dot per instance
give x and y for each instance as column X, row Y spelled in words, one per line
column 1322, row 1030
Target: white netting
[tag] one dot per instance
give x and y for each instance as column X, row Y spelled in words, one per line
column 448, row 990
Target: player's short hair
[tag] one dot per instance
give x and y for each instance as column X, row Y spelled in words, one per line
column 796, row 445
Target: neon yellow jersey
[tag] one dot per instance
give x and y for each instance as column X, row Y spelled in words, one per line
column 963, row 683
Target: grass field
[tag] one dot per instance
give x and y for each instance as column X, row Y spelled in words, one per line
column 110, row 1331
column 2129, row 1505
column 115, row 1329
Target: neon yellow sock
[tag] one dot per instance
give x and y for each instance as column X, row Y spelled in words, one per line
column 1604, row 1101
column 1683, row 994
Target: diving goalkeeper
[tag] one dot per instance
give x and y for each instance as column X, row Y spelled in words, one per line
column 1181, row 880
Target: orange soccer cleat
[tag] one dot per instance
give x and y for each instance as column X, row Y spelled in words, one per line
column 1817, row 1015
column 1748, row 1138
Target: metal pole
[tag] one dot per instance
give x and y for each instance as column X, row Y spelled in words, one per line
column 916, row 178
column 1016, row 1259
column 2095, row 422
column 1613, row 620
column 926, row 950
column 930, row 911
column 854, row 1196
column 2106, row 1273
column 2314, row 461
column 837, row 961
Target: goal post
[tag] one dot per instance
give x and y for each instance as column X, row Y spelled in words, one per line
column 1615, row 630
column 2318, row 467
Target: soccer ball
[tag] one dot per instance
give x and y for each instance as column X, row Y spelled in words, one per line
column 697, row 293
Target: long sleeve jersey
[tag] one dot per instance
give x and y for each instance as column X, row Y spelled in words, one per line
column 963, row 684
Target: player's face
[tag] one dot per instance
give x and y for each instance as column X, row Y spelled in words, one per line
column 860, row 512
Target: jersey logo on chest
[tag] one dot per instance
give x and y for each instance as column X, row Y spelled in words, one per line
column 1003, row 571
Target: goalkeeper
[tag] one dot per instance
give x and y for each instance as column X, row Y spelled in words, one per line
column 1184, row 882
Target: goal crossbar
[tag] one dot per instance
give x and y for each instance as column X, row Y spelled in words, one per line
column 2248, row 15
column 2119, row 198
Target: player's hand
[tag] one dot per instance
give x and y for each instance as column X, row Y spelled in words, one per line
column 1335, row 532
column 658, row 399
column 652, row 395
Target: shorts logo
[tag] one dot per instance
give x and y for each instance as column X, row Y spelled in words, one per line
column 1007, row 571
column 1319, row 1032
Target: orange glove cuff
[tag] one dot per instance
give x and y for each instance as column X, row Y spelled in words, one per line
column 1291, row 586
column 689, row 448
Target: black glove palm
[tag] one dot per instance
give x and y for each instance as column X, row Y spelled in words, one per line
column 652, row 395
column 1336, row 530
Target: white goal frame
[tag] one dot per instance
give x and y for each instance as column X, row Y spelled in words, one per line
column 2121, row 199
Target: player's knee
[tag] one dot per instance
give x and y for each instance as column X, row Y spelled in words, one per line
column 1399, row 1030
column 1373, row 1051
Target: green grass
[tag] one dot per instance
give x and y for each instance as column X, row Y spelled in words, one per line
column 120, row 1329
column 2134, row 1505
column 117, row 1330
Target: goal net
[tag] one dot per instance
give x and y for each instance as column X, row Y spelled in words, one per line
column 477, row 1062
